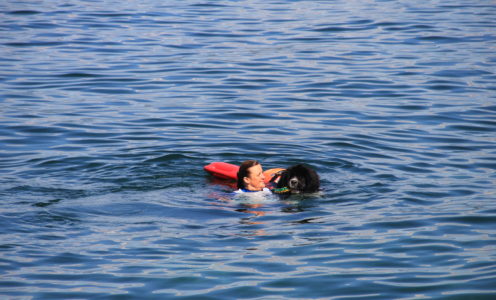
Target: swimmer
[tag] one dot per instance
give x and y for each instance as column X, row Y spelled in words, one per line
column 251, row 177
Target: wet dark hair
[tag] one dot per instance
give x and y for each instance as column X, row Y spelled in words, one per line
column 243, row 172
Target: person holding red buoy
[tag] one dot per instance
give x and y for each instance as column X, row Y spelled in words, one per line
column 251, row 178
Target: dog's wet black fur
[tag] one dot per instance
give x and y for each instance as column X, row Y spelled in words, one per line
column 299, row 179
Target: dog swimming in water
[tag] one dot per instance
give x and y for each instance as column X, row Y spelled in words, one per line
column 296, row 179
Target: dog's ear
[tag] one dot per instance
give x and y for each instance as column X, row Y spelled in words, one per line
column 313, row 181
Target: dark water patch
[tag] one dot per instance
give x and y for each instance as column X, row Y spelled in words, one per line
column 79, row 75
column 448, row 39
column 426, row 194
column 472, row 128
column 47, row 203
column 109, row 14
column 447, row 87
column 24, row 12
column 340, row 29
column 35, row 44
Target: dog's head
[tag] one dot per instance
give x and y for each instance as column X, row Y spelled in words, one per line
column 299, row 179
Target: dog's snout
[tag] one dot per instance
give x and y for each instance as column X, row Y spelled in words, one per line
column 293, row 183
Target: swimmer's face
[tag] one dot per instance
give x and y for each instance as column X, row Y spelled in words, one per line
column 255, row 179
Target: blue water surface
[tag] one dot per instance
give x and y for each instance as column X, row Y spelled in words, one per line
column 110, row 109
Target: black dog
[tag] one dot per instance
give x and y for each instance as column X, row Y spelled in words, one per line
column 295, row 180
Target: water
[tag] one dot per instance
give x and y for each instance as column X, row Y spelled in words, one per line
column 110, row 109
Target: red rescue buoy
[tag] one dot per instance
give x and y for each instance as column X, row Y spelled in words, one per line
column 224, row 170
